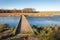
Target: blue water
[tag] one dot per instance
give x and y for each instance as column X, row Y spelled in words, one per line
column 44, row 21
column 11, row 21
column 40, row 21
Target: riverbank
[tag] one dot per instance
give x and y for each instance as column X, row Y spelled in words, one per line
column 40, row 33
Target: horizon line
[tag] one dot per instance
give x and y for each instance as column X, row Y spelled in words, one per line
column 33, row 8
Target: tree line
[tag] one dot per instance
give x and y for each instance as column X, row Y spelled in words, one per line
column 25, row 10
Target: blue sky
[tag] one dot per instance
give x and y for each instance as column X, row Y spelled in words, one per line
column 41, row 5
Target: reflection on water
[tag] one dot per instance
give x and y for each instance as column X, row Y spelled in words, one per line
column 12, row 21
column 41, row 21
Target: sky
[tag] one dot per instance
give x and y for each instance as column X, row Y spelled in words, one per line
column 40, row 5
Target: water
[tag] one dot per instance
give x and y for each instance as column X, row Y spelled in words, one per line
column 40, row 21
column 11, row 21
column 44, row 21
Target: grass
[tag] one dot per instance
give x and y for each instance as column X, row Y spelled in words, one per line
column 42, row 33
column 47, row 32
column 5, row 27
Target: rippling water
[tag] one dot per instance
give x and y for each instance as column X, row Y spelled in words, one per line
column 11, row 21
column 40, row 21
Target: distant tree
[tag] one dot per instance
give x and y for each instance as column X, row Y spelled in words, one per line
column 0, row 11
column 28, row 10
column 25, row 10
column 14, row 10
